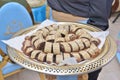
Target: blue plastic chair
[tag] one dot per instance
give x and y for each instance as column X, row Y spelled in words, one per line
column 13, row 17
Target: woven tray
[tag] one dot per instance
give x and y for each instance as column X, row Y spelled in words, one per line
column 106, row 55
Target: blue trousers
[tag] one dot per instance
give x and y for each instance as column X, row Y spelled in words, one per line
column 71, row 77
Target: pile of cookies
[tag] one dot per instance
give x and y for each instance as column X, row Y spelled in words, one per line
column 55, row 43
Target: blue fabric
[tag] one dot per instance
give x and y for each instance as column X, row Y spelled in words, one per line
column 10, row 67
column 118, row 56
column 70, row 77
column 39, row 13
column 13, row 17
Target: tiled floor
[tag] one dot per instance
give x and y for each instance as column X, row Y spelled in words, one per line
column 109, row 72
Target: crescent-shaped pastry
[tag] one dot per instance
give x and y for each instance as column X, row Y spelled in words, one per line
column 85, row 35
column 96, row 41
column 74, row 46
column 52, row 32
column 86, row 42
column 50, row 28
column 34, row 54
column 80, row 44
column 49, row 58
column 34, row 39
column 50, row 38
column 61, row 27
column 63, row 32
column 55, row 26
column 65, row 47
column 85, row 55
column 70, row 37
column 29, row 50
column 67, row 28
column 80, row 31
column 38, row 42
column 45, row 31
column 95, row 48
column 41, row 57
column 74, row 30
column 56, row 48
column 91, row 52
column 26, row 44
column 66, row 55
column 60, row 39
column 72, row 26
column 58, row 35
column 59, row 59
column 27, row 38
column 48, row 47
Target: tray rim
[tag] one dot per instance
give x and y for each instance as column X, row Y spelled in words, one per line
column 67, row 67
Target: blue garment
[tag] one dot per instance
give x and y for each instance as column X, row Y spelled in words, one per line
column 118, row 56
column 70, row 77
column 39, row 13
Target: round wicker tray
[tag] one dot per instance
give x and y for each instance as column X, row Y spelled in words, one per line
column 107, row 53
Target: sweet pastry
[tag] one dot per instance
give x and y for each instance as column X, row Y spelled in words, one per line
column 59, row 59
column 80, row 44
column 45, row 31
column 80, row 31
column 38, row 42
column 66, row 56
column 34, row 54
column 60, row 39
column 55, row 43
column 84, row 55
column 56, row 48
column 91, row 52
column 65, row 47
column 49, row 58
column 96, row 41
column 50, row 38
column 70, row 37
column 74, row 46
column 41, row 57
column 26, row 43
column 86, row 42
column 48, row 47
column 28, row 50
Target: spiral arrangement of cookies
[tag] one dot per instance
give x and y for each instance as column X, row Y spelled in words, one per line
column 55, row 43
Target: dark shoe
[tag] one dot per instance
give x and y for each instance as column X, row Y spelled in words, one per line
column 94, row 75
